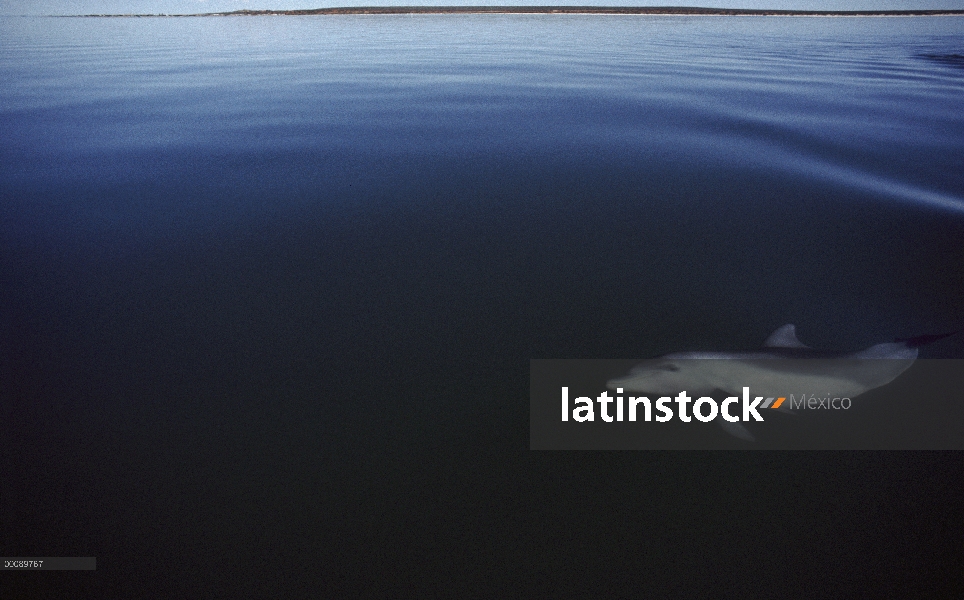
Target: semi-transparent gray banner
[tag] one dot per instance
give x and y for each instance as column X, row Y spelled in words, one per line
column 752, row 404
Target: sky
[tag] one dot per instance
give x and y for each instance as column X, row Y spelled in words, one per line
column 61, row 7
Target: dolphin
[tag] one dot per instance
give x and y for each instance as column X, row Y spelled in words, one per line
column 776, row 370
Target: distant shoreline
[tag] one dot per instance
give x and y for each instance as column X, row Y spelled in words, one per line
column 553, row 10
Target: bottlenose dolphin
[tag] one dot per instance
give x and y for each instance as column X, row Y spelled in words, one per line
column 821, row 373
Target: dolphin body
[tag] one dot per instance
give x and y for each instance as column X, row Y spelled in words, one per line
column 839, row 375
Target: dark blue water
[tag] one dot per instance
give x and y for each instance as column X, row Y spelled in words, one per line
column 270, row 287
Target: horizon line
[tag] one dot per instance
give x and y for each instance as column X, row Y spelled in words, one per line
column 549, row 9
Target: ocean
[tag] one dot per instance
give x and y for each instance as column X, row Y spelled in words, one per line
column 269, row 289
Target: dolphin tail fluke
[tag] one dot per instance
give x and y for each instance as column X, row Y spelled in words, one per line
column 736, row 430
column 923, row 340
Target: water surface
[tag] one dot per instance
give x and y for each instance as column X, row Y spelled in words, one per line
column 288, row 273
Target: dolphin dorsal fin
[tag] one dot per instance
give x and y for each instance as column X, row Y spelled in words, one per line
column 785, row 337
